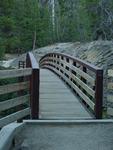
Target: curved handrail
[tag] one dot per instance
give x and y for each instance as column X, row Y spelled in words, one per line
column 80, row 61
column 31, row 61
column 84, row 78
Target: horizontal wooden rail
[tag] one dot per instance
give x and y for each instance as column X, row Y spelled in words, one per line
column 84, row 86
column 25, row 87
column 5, row 89
column 77, row 60
column 85, row 79
column 77, row 70
column 15, row 73
column 7, row 107
column 13, row 102
column 13, row 117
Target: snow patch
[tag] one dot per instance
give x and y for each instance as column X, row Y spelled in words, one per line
column 7, row 63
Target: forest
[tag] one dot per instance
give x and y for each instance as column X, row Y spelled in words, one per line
column 29, row 24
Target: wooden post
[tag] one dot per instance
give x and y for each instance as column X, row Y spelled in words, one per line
column 84, row 70
column 34, row 85
column 85, row 81
column 99, row 94
column 21, row 64
column 35, row 94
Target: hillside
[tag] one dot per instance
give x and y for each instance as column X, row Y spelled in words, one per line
column 30, row 24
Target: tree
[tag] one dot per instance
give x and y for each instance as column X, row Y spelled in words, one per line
column 28, row 24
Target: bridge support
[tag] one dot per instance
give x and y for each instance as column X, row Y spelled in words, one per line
column 34, row 90
column 99, row 94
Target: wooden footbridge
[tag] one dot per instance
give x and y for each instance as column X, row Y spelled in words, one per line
column 60, row 87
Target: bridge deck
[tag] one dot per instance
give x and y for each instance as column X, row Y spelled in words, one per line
column 57, row 101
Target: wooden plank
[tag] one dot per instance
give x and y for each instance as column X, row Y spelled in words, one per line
column 84, row 86
column 110, row 72
column 110, row 98
column 13, row 117
column 80, row 82
column 55, row 92
column 56, row 96
column 52, row 86
column 15, row 73
column 61, row 110
column 64, row 117
column 13, row 102
column 110, row 86
column 52, row 83
column 13, row 87
column 58, row 91
column 65, row 113
column 110, row 111
column 81, row 94
column 60, row 105
column 49, row 79
column 45, row 72
column 79, row 71
column 57, row 101
column 83, row 74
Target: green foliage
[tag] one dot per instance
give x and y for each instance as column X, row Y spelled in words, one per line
column 85, row 20
column 2, row 48
column 19, row 20
column 10, row 95
column 24, row 23
column 5, row 97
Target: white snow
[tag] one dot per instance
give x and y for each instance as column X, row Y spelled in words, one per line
column 6, row 64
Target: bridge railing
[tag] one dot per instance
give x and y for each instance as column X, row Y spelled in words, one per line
column 24, row 88
column 85, row 79
column 34, row 85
